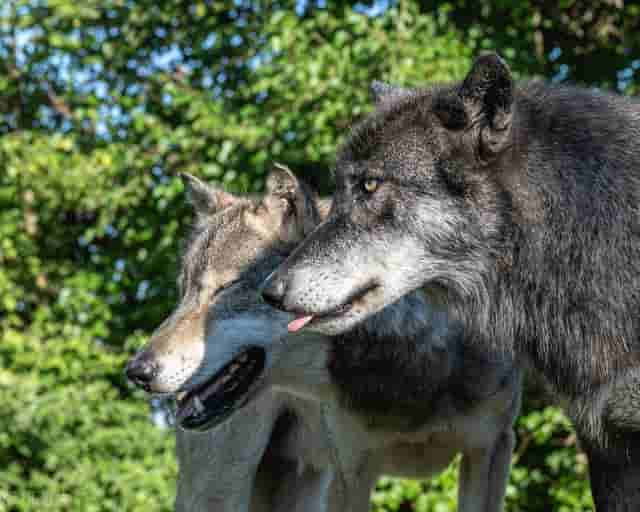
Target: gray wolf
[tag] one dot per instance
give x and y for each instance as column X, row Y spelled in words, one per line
column 303, row 428
column 520, row 205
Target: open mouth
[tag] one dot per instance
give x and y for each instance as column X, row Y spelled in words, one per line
column 304, row 319
column 211, row 403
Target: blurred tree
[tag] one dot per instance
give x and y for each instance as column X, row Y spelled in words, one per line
column 103, row 102
column 583, row 41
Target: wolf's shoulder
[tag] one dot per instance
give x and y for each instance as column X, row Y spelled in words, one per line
column 576, row 111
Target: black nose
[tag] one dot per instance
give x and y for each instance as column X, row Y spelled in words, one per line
column 141, row 370
column 274, row 291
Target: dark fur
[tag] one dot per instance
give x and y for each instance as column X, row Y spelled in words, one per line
column 536, row 236
column 383, row 373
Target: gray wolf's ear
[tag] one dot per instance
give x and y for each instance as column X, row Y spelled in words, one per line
column 294, row 199
column 485, row 96
column 205, row 198
column 382, row 92
column 282, row 182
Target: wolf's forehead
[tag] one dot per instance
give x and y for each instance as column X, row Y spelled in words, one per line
column 402, row 117
column 223, row 251
column 389, row 158
column 206, row 237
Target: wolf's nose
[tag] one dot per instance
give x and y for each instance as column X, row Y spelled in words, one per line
column 274, row 291
column 141, row 370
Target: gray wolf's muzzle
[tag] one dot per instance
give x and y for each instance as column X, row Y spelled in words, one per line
column 327, row 283
column 299, row 285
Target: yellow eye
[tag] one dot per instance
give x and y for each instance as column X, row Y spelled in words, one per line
column 371, row 185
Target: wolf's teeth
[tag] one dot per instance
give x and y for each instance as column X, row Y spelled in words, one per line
column 180, row 396
column 198, row 404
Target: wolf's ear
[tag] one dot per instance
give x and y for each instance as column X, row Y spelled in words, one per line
column 205, row 198
column 292, row 201
column 282, row 182
column 485, row 97
column 382, row 92
column 488, row 90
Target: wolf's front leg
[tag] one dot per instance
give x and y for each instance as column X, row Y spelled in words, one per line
column 614, row 454
column 305, row 490
column 326, row 490
column 484, row 475
column 217, row 469
column 615, row 482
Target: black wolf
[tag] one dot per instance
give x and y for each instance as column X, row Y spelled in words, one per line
column 520, row 205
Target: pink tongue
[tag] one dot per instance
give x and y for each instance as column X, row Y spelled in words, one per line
column 299, row 323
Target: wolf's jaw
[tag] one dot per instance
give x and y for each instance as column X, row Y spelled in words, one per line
column 355, row 299
column 209, row 404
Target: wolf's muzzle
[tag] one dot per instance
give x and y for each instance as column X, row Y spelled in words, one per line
column 215, row 400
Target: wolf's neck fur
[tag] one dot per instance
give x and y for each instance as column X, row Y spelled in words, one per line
column 564, row 297
column 396, row 363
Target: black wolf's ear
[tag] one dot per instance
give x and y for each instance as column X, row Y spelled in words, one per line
column 486, row 98
column 205, row 198
column 382, row 92
column 294, row 199
column 488, row 89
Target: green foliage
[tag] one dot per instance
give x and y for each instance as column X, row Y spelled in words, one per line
column 69, row 440
column 102, row 103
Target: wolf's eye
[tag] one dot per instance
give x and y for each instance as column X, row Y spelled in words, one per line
column 371, row 185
